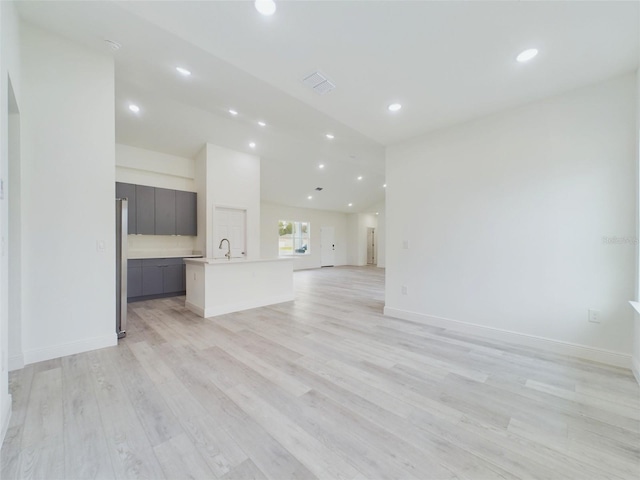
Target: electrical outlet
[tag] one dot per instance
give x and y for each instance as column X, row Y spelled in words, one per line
column 403, row 289
column 594, row 315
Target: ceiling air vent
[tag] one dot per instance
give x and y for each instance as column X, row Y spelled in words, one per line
column 319, row 83
column 319, row 189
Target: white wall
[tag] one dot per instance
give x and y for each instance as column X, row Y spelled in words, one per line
column 68, row 191
column 272, row 214
column 506, row 223
column 636, row 327
column 9, row 68
column 146, row 167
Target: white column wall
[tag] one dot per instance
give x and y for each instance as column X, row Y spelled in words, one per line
column 636, row 323
column 68, row 210
column 232, row 180
column 9, row 68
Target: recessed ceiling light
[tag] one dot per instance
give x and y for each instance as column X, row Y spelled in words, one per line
column 262, row 124
column 360, row 177
column 265, row 7
column 309, row 197
column 232, row 111
column 183, row 71
column 384, row 185
column 134, row 108
column 394, row 107
column 527, row 55
column 377, row 213
column 321, row 166
column 351, row 204
column 252, row 145
column 330, row 136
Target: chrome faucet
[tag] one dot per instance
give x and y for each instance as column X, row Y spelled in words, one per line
column 228, row 254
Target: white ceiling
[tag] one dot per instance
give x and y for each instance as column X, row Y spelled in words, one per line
column 446, row 62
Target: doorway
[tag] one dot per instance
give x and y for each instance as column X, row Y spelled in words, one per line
column 327, row 247
column 371, row 246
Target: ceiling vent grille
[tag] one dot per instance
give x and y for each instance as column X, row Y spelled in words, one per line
column 319, row 83
column 319, row 189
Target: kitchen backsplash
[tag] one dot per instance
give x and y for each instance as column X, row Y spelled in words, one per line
column 146, row 246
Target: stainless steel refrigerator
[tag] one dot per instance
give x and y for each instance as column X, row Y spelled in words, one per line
column 122, row 215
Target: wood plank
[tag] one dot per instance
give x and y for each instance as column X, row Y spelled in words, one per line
column 129, row 448
column 323, row 387
column 85, row 447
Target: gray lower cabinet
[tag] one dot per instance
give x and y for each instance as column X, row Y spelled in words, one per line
column 165, row 213
column 134, row 278
column 152, row 283
column 145, row 210
column 186, row 213
column 173, row 279
column 128, row 191
column 156, row 277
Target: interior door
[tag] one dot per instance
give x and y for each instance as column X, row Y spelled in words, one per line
column 230, row 223
column 327, row 247
column 371, row 246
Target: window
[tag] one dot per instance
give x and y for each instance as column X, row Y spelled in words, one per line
column 294, row 237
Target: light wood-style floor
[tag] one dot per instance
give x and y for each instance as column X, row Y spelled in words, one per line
column 325, row 387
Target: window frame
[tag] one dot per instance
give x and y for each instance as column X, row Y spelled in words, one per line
column 304, row 238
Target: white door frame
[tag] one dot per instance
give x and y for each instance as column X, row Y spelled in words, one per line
column 327, row 256
column 215, row 237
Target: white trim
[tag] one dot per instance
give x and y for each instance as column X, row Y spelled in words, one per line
column 194, row 308
column 16, row 362
column 237, row 307
column 635, row 362
column 65, row 349
column 6, row 417
column 635, row 368
column 557, row 346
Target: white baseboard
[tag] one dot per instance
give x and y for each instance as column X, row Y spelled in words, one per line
column 6, row 418
column 194, row 308
column 556, row 346
column 635, row 368
column 65, row 349
column 238, row 307
column 16, row 362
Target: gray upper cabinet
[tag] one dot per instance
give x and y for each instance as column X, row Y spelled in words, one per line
column 186, row 213
column 145, row 210
column 159, row 211
column 128, row 191
column 165, row 213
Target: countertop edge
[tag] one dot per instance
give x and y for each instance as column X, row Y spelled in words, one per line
column 162, row 256
column 222, row 261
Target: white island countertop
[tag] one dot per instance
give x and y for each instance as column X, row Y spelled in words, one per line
column 146, row 255
column 224, row 261
column 216, row 286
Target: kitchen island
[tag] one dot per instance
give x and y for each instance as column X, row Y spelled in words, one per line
column 219, row 286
